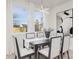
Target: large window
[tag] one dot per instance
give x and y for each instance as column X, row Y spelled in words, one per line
column 20, row 17
column 38, row 16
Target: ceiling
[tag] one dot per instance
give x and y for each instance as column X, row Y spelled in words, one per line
column 48, row 3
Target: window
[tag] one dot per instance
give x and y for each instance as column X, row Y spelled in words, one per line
column 20, row 17
column 38, row 16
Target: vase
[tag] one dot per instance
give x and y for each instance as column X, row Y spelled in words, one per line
column 47, row 34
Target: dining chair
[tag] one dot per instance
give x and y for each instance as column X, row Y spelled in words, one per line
column 52, row 33
column 40, row 34
column 66, row 45
column 22, row 53
column 53, row 50
column 30, row 35
column 20, row 37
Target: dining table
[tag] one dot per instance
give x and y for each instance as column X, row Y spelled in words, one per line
column 36, row 42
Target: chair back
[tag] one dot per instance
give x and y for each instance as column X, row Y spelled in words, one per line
column 30, row 35
column 52, row 33
column 55, row 46
column 66, row 43
column 40, row 34
column 17, row 51
column 20, row 37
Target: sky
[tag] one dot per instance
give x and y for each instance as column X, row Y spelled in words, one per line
column 20, row 15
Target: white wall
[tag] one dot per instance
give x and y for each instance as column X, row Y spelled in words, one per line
column 31, row 8
column 52, row 17
column 14, row 4
column 30, row 23
column 9, row 25
column 10, row 5
column 9, row 43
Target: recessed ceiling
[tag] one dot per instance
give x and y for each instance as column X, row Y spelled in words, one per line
column 49, row 3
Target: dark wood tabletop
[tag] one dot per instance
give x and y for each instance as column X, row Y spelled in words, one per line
column 38, row 43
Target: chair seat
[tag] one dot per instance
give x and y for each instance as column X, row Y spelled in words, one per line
column 44, row 52
column 25, row 52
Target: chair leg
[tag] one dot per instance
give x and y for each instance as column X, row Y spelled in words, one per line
column 39, row 47
column 30, row 57
column 64, row 53
column 61, row 55
column 58, row 57
column 68, row 54
column 15, row 57
column 38, row 56
column 43, row 46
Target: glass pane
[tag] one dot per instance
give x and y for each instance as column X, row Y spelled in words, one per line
column 20, row 17
column 38, row 16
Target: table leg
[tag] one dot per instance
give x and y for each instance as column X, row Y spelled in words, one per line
column 36, row 52
column 62, row 48
column 61, row 55
column 23, row 43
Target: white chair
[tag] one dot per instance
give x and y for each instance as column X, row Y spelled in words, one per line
column 40, row 34
column 22, row 53
column 30, row 35
column 52, row 33
column 66, row 45
column 20, row 37
column 53, row 50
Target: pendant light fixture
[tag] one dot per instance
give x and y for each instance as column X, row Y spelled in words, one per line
column 43, row 10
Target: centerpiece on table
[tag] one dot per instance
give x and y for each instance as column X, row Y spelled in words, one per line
column 47, row 32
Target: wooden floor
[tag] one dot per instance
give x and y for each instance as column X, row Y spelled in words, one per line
column 41, row 57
